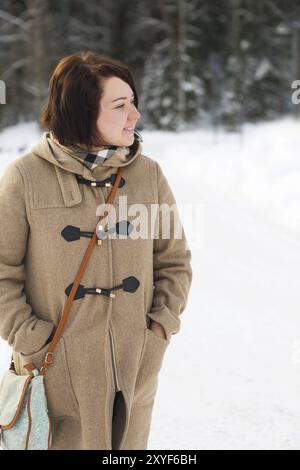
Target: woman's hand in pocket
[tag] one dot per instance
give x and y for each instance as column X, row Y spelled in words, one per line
column 157, row 329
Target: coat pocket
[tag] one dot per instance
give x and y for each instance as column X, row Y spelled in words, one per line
column 61, row 399
column 150, row 364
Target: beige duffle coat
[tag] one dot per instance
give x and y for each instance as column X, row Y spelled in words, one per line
column 107, row 345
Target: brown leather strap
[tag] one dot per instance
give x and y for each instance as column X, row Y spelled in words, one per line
column 49, row 358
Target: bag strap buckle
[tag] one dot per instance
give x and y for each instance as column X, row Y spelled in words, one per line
column 50, row 361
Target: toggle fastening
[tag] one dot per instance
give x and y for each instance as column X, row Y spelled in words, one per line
column 129, row 284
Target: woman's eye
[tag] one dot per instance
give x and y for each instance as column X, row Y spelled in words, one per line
column 122, row 105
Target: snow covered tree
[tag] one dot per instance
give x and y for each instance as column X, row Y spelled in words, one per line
column 194, row 61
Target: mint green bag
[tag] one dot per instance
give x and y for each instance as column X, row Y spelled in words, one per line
column 24, row 420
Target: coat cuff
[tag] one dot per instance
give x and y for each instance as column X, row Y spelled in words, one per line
column 32, row 340
column 167, row 320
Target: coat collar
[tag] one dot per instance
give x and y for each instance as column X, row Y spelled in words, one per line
column 67, row 167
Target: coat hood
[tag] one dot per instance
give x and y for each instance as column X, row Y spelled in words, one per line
column 50, row 151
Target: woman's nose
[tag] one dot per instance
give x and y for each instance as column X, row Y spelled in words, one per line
column 134, row 115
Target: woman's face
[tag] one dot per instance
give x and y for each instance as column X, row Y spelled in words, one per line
column 117, row 111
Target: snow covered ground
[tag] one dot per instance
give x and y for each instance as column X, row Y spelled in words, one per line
column 231, row 377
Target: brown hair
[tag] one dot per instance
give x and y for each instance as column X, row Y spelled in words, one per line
column 75, row 89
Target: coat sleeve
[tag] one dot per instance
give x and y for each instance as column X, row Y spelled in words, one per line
column 23, row 330
column 172, row 270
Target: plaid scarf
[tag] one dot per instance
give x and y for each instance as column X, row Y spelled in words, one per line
column 103, row 155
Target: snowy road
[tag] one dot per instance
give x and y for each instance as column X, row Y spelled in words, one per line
column 231, row 379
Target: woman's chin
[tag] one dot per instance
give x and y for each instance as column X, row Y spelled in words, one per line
column 128, row 140
column 124, row 141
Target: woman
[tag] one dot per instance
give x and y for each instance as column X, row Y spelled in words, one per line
column 102, row 384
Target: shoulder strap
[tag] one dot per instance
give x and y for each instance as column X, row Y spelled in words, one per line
column 49, row 358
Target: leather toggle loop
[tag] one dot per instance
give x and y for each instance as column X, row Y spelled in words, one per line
column 71, row 233
column 129, row 284
column 107, row 182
